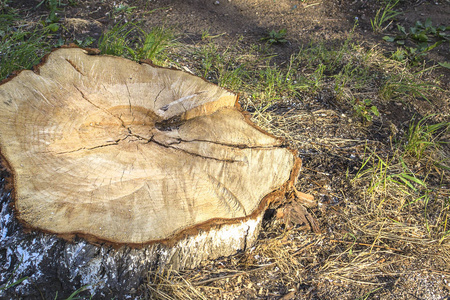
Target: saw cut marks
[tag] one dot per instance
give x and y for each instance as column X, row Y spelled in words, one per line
column 131, row 153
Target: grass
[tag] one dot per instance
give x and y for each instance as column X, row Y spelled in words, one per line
column 131, row 41
column 9, row 283
column 116, row 41
column 383, row 15
column 24, row 48
column 168, row 284
column 21, row 49
column 424, row 139
column 404, row 181
column 407, row 87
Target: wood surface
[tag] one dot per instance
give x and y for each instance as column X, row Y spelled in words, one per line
column 129, row 153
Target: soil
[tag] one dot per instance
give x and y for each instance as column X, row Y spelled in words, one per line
column 399, row 272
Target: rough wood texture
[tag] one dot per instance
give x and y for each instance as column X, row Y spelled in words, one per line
column 130, row 154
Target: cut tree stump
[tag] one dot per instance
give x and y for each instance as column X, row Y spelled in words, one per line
column 115, row 167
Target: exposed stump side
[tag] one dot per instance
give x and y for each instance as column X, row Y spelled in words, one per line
column 102, row 151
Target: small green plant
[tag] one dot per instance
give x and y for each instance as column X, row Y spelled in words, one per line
column 53, row 6
column 422, row 32
column 231, row 76
column 424, row 37
column 209, row 57
column 317, row 77
column 219, row 65
column 86, row 42
column 276, row 37
column 74, row 296
column 364, row 109
column 401, row 54
column 383, row 15
column 124, row 9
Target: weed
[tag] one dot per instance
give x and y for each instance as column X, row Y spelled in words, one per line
column 332, row 59
column 317, row 77
column 86, row 42
column 232, row 77
column 274, row 84
column 123, row 8
column 209, row 57
column 224, row 67
column 353, row 75
column 53, row 6
column 276, row 37
column 401, row 54
column 364, row 109
column 400, row 182
column 424, row 36
column 390, row 179
column 383, row 15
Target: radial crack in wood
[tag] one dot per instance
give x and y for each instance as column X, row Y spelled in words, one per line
column 129, row 153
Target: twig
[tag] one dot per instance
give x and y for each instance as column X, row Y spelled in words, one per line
column 203, row 282
column 359, row 281
column 364, row 244
column 436, row 271
column 312, row 4
column 302, row 249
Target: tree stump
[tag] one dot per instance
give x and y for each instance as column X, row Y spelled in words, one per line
column 114, row 168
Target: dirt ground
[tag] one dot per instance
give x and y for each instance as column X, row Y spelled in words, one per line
column 296, row 263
